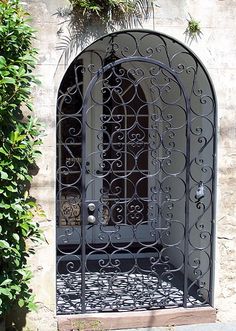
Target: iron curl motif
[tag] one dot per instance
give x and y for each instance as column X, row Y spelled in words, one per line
column 136, row 126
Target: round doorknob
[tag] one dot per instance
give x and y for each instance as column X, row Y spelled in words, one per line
column 91, row 219
column 91, row 207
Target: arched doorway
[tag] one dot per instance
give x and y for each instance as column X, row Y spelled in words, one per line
column 136, row 127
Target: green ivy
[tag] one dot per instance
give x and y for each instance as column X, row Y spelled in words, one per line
column 19, row 140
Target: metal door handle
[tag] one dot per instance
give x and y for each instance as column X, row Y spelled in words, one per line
column 91, row 219
column 91, row 207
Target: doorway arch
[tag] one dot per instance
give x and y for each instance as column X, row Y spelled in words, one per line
column 136, row 150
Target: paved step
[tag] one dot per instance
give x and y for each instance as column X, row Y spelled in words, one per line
column 195, row 327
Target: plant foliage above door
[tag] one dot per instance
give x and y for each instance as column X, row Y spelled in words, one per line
column 115, row 9
column 87, row 20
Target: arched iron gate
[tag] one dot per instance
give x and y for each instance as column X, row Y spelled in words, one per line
column 136, row 127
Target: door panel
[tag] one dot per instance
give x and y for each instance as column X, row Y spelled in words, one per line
column 125, row 145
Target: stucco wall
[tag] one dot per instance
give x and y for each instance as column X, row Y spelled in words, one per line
column 217, row 50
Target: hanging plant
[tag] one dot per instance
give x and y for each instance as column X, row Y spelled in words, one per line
column 86, row 20
column 193, row 30
column 105, row 9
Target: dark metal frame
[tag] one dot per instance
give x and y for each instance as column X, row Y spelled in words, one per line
column 196, row 288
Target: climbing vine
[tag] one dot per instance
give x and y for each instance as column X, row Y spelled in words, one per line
column 19, row 140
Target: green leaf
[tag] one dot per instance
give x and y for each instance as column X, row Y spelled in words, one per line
column 24, row 226
column 21, row 177
column 21, row 303
column 18, row 207
column 4, row 205
column 8, row 80
column 4, row 244
column 2, row 151
column 3, row 174
column 2, row 62
column 16, row 236
column 6, row 282
column 16, row 288
column 11, row 188
column 6, row 291
column 32, row 306
column 29, row 106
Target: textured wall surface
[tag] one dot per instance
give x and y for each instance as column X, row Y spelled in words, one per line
column 217, row 50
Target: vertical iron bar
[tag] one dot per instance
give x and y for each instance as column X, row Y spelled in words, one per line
column 125, row 168
column 186, row 232
column 214, row 199
column 58, row 186
column 83, row 194
column 59, row 145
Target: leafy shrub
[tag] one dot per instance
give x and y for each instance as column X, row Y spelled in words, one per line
column 19, row 139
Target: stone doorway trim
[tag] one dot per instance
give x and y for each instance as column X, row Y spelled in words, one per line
column 137, row 319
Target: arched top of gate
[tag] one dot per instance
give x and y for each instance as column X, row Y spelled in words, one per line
column 128, row 44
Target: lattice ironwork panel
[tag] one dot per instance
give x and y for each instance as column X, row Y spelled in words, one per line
column 136, row 126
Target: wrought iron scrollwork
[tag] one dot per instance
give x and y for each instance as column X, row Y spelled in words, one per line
column 136, row 126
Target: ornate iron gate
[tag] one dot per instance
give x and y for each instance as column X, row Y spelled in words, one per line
column 136, row 126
